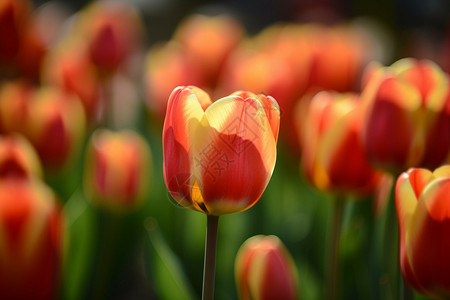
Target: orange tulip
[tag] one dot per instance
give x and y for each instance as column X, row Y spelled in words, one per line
column 18, row 158
column 31, row 232
column 118, row 168
column 208, row 41
column 219, row 157
column 167, row 65
column 333, row 156
column 265, row 270
column 423, row 208
column 407, row 115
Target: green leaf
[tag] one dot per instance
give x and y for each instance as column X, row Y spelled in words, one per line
column 79, row 246
column 165, row 268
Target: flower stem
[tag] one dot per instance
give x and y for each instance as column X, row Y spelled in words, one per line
column 209, row 267
column 336, row 225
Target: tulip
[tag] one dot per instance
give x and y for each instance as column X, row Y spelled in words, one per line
column 333, row 155
column 265, row 270
column 208, row 41
column 117, row 170
column 18, row 158
column 31, row 238
column 422, row 202
column 56, row 127
column 166, row 66
column 69, row 67
column 218, row 157
column 407, row 115
column 112, row 31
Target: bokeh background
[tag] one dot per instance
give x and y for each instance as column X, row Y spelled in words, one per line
column 156, row 251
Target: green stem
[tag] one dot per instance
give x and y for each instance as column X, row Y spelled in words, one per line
column 336, row 226
column 392, row 277
column 209, row 267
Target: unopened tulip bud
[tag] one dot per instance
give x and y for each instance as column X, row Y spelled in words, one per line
column 117, row 170
column 112, row 31
column 31, row 239
column 265, row 270
column 56, row 127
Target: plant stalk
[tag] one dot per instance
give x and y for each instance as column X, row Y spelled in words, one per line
column 209, row 266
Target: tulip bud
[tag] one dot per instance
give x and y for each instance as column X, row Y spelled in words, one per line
column 112, row 31
column 31, row 237
column 218, row 157
column 69, row 67
column 18, row 158
column 56, row 127
column 117, row 170
column 265, row 270
column 333, row 155
column 407, row 118
column 423, row 208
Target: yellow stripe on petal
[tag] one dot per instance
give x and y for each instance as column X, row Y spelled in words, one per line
column 443, row 171
column 240, row 122
column 406, row 200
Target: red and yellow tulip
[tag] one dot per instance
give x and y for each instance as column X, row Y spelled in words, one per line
column 423, row 207
column 333, row 156
column 56, row 126
column 118, row 168
column 112, row 31
column 31, row 238
column 219, row 157
column 265, row 270
column 407, row 115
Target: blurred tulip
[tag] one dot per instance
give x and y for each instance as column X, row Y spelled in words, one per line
column 69, row 67
column 56, row 127
column 31, row 238
column 208, row 41
column 422, row 201
column 112, row 31
column 167, row 66
column 338, row 58
column 333, row 155
column 15, row 103
column 18, row 158
column 265, row 270
column 14, row 16
column 117, row 170
column 31, row 53
column 407, row 115
column 219, row 157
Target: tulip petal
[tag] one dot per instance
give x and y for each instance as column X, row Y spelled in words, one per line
column 241, row 145
column 407, row 192
column 184, row 112
column 390, row 119
column 427, row 239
